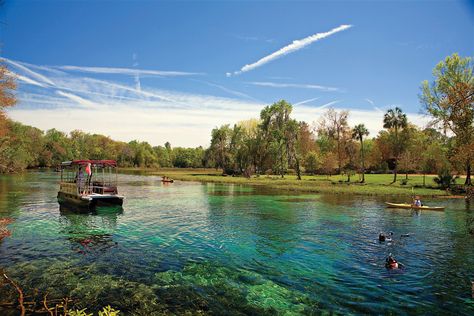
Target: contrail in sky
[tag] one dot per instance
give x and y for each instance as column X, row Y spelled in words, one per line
column 296, row 45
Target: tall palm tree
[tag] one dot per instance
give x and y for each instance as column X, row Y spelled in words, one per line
column 358, row 133
column 395, row 120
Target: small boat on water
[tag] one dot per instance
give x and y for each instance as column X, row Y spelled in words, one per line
column 411, row 206
column 165, row 179
column 89, row 183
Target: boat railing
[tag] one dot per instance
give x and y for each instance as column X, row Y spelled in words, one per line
column 89, row 188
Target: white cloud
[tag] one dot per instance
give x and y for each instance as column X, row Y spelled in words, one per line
column 292, row 85
column 26, row 79
column 22, row 67
column 76, row 99
column 230, row 91
column 126, row 71
column 370, row 101
column 325, row 105
column 305, row 101
column 294, row 46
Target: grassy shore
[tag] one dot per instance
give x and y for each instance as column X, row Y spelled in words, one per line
column 376, row 184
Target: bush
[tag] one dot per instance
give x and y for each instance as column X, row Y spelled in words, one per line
column 445, row 179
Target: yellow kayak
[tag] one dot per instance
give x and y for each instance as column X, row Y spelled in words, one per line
column 405, row 205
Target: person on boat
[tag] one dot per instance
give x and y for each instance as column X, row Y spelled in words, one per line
column 391, row 262
column 89, row 176
column 417, row 201
column 79, row 180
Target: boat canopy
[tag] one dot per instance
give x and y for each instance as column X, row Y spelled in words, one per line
column 94, row 163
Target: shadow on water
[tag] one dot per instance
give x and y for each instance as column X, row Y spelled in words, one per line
column 90, row 232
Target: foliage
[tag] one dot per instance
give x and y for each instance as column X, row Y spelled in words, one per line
column 450, row 102
column 81, row 312
column 219, row 149
column 311, row 162
column 445, row 179
column 278, row 133
column 334, row 126
column 27, row 147
column 358, row 133
column 108, row 311
column 395, row 121
column 7, row 96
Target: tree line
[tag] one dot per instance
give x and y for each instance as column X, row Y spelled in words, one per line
column 23, row 146
column 276, row 143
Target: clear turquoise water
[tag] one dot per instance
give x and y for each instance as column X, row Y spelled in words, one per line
column 226, row 249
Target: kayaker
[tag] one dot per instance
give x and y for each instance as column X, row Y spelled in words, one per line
column 417, row 201
column 391, row 262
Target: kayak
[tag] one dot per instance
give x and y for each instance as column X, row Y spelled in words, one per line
column 405, row 205
column 167, row 181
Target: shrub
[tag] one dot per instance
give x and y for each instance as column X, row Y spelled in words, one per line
column 445, row 179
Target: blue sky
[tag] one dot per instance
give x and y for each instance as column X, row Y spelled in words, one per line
column 156, row 71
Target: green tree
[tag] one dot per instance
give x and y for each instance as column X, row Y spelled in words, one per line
column 311, row 162
column 396, row 121
column 450, row 102
column 164, row 157
column 220, row 147
column 57, row 148
column 279, row 131
column 293, row 145
column 358, row 133
column 248, row 151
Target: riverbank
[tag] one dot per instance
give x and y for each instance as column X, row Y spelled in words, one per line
column 376, row 184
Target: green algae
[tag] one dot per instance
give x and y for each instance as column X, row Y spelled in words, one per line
column 236, row 289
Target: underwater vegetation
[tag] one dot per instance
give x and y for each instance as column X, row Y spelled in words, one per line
column 197, row 289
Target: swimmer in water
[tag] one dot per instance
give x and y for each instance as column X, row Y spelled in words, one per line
column 385, row 237
column 391, row 262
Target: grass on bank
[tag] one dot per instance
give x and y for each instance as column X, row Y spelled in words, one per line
column 375, row 184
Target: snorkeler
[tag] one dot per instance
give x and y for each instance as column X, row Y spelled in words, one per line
column 391, row 262
column 385, row 237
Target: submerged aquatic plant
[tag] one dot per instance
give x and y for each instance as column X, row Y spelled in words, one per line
column 106, row 311
column 222, row 290
column 81, row 312
column 58, row 309
column 197, row 288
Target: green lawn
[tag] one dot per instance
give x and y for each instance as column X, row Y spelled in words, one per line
column 376, row 184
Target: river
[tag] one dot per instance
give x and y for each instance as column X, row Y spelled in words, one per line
column 229, row 249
